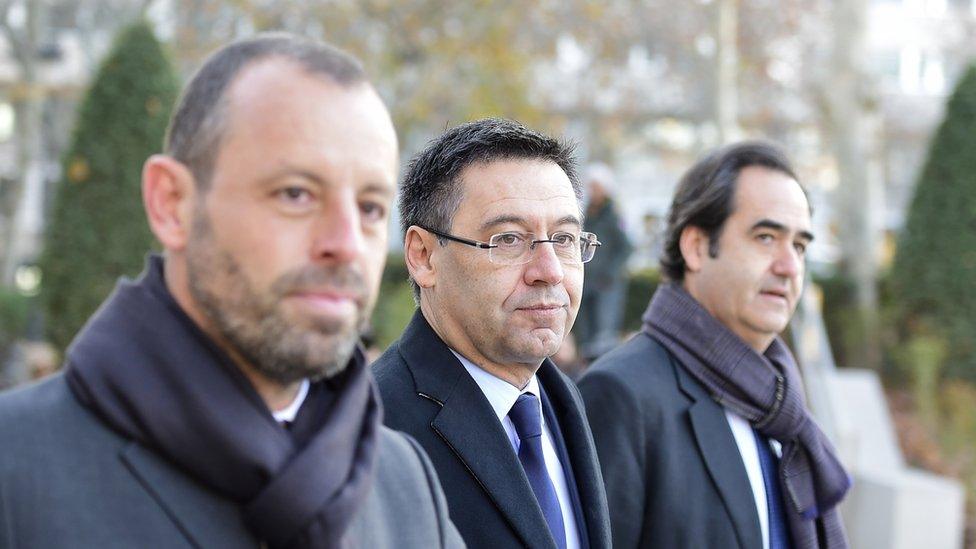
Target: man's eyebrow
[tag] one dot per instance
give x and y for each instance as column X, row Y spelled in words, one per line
column 288, row 170
column 570, row 220
column 501, row 220
column 780, row 228
column 519, row 220
column 312, row 177
column 385, row 190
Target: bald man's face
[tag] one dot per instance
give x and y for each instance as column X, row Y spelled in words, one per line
column 289, row 242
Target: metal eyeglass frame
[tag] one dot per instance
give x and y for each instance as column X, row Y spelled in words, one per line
column 486, row 246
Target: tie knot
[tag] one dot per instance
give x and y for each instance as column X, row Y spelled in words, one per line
column 526, row 416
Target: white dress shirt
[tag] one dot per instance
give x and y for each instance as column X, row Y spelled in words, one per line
column 746, row 441
column 288, row 413
column 502, row 396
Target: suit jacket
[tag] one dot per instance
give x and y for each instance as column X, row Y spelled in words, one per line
column 674, row 474
column 428, row 394
column 66, row 480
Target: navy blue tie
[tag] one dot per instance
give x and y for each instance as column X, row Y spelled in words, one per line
column 779, row 533
column 526, row 415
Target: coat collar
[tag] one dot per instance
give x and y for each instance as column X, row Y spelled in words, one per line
column 182, row 500
column 469, row 426
column 567, row 406
column 721, row 457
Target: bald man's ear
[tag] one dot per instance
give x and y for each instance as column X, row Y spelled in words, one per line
column 168, row 194
column 418, row 248
column 694, row 247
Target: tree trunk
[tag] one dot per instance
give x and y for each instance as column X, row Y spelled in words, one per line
column 855, row 130
column 726, row 70
column 27, row 101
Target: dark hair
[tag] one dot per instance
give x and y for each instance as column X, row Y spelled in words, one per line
column 431, row 191
column 198, row 124
column 705, row 194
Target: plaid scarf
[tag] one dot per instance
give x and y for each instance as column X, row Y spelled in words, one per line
column 766, row 389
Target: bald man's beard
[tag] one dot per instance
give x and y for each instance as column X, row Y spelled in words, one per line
column 255, row 324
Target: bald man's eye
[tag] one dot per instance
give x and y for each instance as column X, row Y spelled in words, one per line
column 800, row 247
column 295, row 195
column 372, row 211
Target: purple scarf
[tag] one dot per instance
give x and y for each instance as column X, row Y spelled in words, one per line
column 153, row 376
column 766, row 390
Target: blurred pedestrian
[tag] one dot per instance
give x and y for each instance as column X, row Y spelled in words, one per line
column 605, row 289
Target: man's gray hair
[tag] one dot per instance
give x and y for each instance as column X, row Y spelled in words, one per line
column 197, row 127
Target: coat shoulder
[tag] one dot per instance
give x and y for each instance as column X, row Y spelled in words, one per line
column 638, row 379
column 403, row 409
column 639, row 366
column 43, row 416
column 407, row 499
column 33, row 402
column 390, row 369
column 402, row 463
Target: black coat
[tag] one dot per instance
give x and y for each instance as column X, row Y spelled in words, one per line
column 429, row 395
column 673, row 472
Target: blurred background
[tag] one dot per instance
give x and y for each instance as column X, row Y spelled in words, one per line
column 875, row 100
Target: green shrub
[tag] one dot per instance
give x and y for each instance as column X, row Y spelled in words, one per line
column 640, row 288
column 97, row 230
column 934, row 272
column 15, row 310
column 846, row 332
column 394, row 306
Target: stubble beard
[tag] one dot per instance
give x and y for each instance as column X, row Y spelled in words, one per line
column 254, row 324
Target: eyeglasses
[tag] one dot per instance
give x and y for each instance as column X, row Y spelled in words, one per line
column 515, row 248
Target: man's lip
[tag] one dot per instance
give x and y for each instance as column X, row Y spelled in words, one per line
column 542, row 307
column 775, row 293
column 325, row 295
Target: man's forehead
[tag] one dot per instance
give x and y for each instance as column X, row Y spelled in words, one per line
column 257, row 77
column 518, row 191
column 278, row 86
column 763, row 193
column 278, row 102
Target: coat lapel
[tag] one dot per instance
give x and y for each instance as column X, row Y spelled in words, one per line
column 581, row 450
column 469, row 426
column 721, row 456
column 203, row 517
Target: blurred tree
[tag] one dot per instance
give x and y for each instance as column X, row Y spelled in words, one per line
column 437, row 64
column 853, row 124
column 603, row 71
column 97, row 230
column 27, row 100
column 36, row 34
column 727, row 69
column 934, row 272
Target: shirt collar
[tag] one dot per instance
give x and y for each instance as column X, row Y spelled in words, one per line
column 288, row 413
column 500, row 393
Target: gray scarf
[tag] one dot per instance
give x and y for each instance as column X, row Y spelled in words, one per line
column 766, row 390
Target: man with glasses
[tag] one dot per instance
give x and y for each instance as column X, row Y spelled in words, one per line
column 495, row 248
